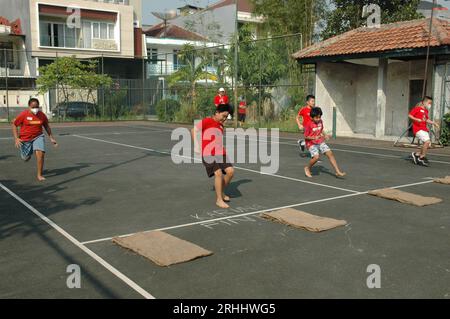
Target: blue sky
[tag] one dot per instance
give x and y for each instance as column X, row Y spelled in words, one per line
column 164, row 5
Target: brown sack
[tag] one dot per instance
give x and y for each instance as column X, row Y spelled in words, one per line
column 445, row 180
column 299, row 219
column 161, row 248
column 404, row 197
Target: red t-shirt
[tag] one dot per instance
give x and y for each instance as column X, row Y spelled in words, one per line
column 221, row 100
column 30, row 124
column 212, row 137
column 313, row 129
column 304, row 113
column 420, row 113
column 243, row 110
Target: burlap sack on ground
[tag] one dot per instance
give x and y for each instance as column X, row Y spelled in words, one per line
column 161, row 248
column 404, row 197
column 445, row 180
column 299, row 219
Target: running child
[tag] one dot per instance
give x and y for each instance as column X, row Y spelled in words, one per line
column 315, row 143
column 31, row 139
column 303, row 113
column 213, row 152
column 420, row 119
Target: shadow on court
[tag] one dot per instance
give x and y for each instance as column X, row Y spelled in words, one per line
column 17, row 224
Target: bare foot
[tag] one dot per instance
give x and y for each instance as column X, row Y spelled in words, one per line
column 340, row 174
column 226, row 198
column 41, row 178
column 222, row 204
column 308, row 172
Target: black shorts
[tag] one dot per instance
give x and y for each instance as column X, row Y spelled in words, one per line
column 214, row 163
column 241, row 117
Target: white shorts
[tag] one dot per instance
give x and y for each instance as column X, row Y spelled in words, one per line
column 423, row 136
column 317, row 149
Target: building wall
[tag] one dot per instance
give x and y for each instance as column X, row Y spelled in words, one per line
column 126, row 18
column 20, row 9
column 352, row 89
column 397, row 98
column 336, row 87
column 223, row 17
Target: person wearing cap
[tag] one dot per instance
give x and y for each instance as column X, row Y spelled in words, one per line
column 221, row 98
column 31, row 137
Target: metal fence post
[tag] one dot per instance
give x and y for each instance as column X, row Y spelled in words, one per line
column 143, row 91
column 6, row 84
column 334, row 122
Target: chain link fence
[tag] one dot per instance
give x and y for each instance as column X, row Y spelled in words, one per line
column 176, row 86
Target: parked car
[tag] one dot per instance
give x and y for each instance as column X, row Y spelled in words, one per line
column 74, row 110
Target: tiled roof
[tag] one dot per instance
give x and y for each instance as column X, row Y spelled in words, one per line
column 393, row 36
column 173, row 32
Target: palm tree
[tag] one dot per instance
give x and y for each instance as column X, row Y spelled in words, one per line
column 194, row 69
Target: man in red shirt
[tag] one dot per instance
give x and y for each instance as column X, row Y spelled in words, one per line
column 315, row 142
column 242, row 111
column 303, row 113
column 221, row 98
column 31, row 138
column 214, row 156
column 420, row 118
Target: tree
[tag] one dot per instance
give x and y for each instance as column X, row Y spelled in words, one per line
column 287, row 17
column 260, row 63
column 68, row 74
column 194, row 69
column 347, row 14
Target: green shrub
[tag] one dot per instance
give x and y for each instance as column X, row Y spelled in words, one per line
column 166, row 110
column 445, row 135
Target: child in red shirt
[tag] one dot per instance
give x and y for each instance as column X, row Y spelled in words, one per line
column 242, row 112
column 31, row 139
column 420, row 118
column 221, row 98
column 315, row 143
column 214, row 156
column 304, row 114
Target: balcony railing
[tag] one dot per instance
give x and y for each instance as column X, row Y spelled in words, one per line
column 163, row 68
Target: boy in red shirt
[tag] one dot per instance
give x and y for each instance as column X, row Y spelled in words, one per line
column 420, row 118
column 214, row 156
column 306, row 118
column 31, row 138
column 242, row 111
column 315, row 142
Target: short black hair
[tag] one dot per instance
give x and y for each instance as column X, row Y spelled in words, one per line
column 223, row 108
column 315, row 111
column 427, row 98
column 33, row 100
column 309, row 97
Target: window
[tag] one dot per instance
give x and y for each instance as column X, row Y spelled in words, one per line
column 111, row 31
column 6, row 48
column 103, row 31
column 52, row 34
column 96, row 30
column 153, row 55
column 175, row 59
column 87, row 35
column 70, row 37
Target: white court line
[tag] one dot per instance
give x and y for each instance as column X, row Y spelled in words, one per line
column 100, row 260
column 236, row 167
column 249, row 214
column 337, row 149
column 333, row 143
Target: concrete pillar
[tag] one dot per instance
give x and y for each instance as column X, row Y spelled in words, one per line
column 380, row 125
